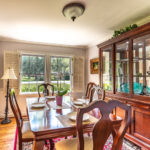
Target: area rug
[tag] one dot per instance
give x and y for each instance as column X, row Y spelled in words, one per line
column 127, row 145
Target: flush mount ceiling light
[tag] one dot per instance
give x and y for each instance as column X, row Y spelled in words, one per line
column 73, row 10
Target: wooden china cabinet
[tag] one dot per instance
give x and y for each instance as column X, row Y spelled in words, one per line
column 125, row 75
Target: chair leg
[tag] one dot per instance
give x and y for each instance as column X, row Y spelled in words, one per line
column 38, row 145
column 33, row 145
column 51, row 144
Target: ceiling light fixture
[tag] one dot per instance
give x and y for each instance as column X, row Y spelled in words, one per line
column 73, row 10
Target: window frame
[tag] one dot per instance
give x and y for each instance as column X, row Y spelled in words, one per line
column 20, row 73
column 70, row 66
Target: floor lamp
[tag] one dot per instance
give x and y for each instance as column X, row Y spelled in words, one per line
column 8, row 74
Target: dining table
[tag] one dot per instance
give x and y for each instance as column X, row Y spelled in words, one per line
column 52, row 121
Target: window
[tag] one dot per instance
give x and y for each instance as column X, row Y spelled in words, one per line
column 61, row 65
column 32, row 73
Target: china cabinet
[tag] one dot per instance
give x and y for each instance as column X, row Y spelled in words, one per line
column 124, row 72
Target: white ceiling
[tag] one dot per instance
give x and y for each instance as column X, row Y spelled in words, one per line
column 42, row 21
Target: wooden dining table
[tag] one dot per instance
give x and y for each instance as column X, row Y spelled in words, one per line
column 53, row 121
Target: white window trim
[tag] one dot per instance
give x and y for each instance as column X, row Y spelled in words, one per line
column 47, row 71
column 71, row 69
column 20, row 74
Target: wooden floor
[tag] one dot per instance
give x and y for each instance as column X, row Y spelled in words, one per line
column 7, row 135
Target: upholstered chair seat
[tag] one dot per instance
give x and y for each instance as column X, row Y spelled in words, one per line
column 26, row 131
column 71, row 144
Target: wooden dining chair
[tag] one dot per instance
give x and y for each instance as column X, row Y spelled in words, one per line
column 102, row 129
column 89, row 88
column 23, row 127
column 46, row 90
column 99, row 91
column 24, row 132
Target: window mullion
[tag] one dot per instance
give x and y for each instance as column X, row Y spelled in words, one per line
column 47, row 69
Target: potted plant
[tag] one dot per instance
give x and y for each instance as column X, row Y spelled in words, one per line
column 60, row 90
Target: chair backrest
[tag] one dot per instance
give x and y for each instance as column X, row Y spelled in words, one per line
column 16, row 111
column 99, row 91
column 104, row 126
column 46, row 90
column 89, row 88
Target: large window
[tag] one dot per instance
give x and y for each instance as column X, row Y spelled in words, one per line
column 60, row 72
column 32, row 73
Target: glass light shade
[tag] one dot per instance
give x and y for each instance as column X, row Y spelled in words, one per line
column 73, row 10
column 9, row 74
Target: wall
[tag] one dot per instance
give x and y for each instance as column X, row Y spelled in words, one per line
column 92, row 52
column 32, row 48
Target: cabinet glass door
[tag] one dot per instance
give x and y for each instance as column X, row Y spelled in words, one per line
column 122, row 67
column 141, row 65
column 107, row 68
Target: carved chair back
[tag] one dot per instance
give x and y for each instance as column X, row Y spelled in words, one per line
column 89, row 88
column 46, row 90
column 104, row 126
column 17, row 113
column 99, row 91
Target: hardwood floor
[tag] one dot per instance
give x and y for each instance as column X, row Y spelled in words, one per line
column 7, row 135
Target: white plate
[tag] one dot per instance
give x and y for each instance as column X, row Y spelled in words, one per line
column 37, row 105
column 78, row 103
column 83, row 100
column 85, row 117
column 50, row 97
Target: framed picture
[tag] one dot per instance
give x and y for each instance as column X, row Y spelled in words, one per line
column 94, row 65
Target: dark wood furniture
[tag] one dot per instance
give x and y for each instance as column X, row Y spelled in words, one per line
column 90, row 85
column 46, row 121
column 99, row 91
column 125, row 76
column 23, row 127
column 46, row 90
column 55, row 122
column 101, row 130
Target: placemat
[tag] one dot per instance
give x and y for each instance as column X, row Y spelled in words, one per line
column 53, row 105
column 66, row 122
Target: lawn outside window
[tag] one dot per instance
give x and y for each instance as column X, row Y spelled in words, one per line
column 62, row 65
column 32, row 73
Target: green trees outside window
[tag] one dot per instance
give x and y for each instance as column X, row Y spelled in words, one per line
column 32, row 72
column 60, row 65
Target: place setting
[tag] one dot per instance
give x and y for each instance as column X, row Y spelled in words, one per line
column 50, row 97
column 37, row 106
column 70, row 119
column 80, row 103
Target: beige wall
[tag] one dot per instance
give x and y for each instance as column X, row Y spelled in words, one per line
column 32, row 48
column 91, row 53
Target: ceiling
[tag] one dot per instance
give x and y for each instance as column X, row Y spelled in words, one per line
column 42, row 21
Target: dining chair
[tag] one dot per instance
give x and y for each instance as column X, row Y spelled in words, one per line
column 99, row 91
column 88, row 89
column 23, row 126
column 46, row 90
column 102, row 129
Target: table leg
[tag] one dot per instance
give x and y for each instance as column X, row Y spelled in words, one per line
column 51, row 144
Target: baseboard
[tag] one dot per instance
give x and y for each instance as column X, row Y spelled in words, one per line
column 12, row 116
